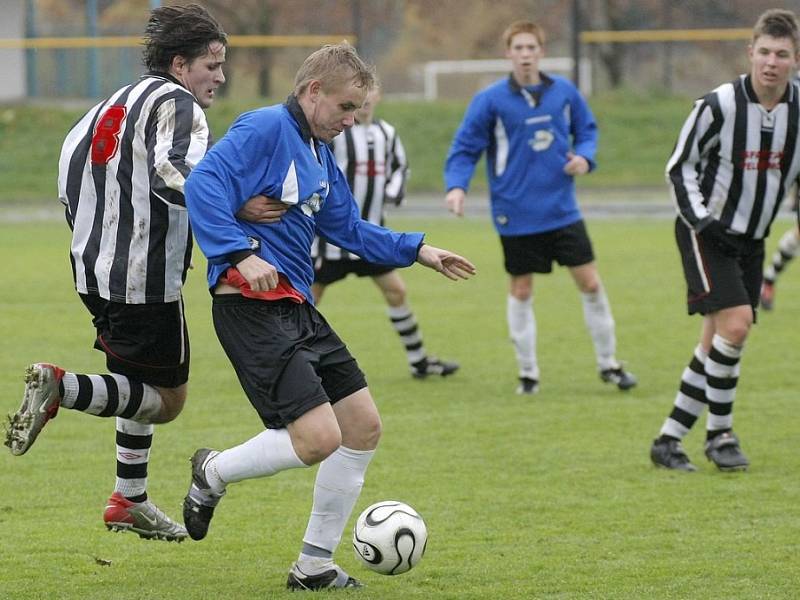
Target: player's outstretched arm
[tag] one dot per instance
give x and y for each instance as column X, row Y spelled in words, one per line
column 450, row 265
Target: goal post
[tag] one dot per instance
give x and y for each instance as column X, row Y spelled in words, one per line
column 561, row 65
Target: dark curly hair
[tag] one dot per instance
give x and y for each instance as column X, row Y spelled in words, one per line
column 185, row 31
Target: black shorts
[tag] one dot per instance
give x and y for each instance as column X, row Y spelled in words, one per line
column 715, row 280
column 147, row 342
column 287, row 357
column 330, row 271
column 569, row 246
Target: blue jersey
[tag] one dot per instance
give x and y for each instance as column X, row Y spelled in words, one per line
column 271, row 151
column 526, row 133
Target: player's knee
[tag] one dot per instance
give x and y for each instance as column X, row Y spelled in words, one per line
column 737, row 334
column 394, row 290
column 321, row 447
column 590, row 287
column 736, row 331
column 370, row 432
column 172, row 402
column 522, row 292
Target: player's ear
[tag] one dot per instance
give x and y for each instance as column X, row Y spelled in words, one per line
column 178, row 65
column 314, row 89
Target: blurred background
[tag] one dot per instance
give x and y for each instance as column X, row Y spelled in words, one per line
column 639, row 62
column 404, row 38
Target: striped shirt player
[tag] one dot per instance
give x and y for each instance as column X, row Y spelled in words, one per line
column 734, row 161
column 372, row 157
column 735, row 158
column 121, row 178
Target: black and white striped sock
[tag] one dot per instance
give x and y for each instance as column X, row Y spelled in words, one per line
column 134, row 441
column 690, row 400
column 110, row 395
column 405, row 324
column 722, row 374
column 786, row 251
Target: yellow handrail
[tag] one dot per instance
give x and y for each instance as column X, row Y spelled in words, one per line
column 241, row 41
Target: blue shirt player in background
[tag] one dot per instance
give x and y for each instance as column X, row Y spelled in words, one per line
column 297, row 373
column 538, row 134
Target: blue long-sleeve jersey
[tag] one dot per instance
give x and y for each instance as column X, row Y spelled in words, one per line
column 526, row 133
column 271, row 151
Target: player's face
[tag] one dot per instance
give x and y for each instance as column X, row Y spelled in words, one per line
column 203, row 75
column 367, row 110
column 773, row 62
column 334, row 111
column 524, row 50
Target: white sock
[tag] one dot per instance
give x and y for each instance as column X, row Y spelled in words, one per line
column 314, row 565
column 269, row 452
column 600, row 323
column 522, row 330
column 336, row 489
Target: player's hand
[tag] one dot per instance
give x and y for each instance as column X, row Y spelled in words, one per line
column 455, row 201
column 714, row 233
column 450, row 265
column 262, row 209
column 261, row 275
column 576, row 164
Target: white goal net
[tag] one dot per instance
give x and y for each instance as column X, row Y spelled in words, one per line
column 563, row 65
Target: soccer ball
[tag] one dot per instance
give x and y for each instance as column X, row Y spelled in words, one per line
column 390, row 537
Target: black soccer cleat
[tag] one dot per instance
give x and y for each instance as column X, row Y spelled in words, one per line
column 331, row 579
column 527, row 386
column 669, row 454
column 619, row 377
column 200, row 502
column 725, row 452
column 430, row 365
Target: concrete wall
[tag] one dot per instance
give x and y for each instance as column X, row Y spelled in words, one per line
column 12, row 60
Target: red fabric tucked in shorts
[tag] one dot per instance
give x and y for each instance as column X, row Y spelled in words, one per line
column 283, row 291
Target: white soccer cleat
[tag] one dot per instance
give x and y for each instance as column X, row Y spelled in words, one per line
column 143, row 518
column 40, row 403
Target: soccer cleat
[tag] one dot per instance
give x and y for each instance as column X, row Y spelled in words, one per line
column 200, row 501
column 527, row 386
column 619, row 377
column 431, row 365
column 333, row 578
column 767, row 295
column 669, row 453
column 143, row 518
column 40, row 403
column 724, row 451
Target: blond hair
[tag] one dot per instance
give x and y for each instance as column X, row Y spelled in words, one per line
column 523, row 27
column 778, row 23
column 334, row 65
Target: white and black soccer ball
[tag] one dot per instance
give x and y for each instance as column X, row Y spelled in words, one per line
column 390, row 537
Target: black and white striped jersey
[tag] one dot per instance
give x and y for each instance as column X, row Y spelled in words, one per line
column 734, row 160
column 121, row 176
column 374, row 161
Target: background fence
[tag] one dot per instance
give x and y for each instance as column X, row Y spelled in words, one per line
column 87, row 48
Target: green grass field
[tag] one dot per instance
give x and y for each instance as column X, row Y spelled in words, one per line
column 551, row 496
column 31, row 138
